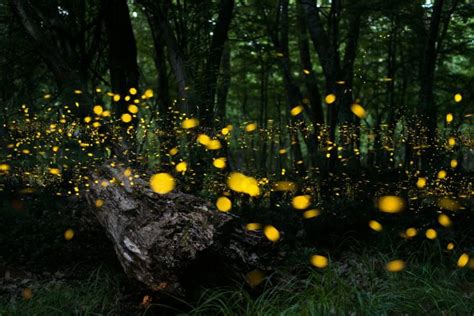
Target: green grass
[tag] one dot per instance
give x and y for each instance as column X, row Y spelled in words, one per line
column 96, row 295
column 353, row 284
column 358, row 286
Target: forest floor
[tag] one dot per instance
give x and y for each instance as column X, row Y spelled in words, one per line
column 43, row 274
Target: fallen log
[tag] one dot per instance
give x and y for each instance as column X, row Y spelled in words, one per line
column 157, row 237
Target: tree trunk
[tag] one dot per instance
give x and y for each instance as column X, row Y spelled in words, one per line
column 158, row 237
column 122, row 52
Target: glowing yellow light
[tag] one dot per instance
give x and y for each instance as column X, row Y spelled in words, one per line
column 224, row 204
column 271, row 233
column 330, row 99
column 306, row 71
column 358, row 111
column 162, row 183
column 148, row 94
column 395, row 266
column 132, row 108
column 126, row 118
column 458, row 97
column 319, row 261
column 449, row 118
column 241, row 183
column 463, row 260
column 203, row 139
column 225, row 131
column 285, row 186
column 442, row 174
column 173, row 151
column 214, row 144
column 116, row 97
column 99, row 203
column 296, row 110
column 87, row 119
column 132, row 91
column 375, row 226
column 301, row 202
column 250, row 127
column 4, row 167
column 431, row 233
column 421, row 183
column 253, row 226
column 391, row 204
column 181, row 167
column 411, row 232
column 452, row 141
column 68, row 234
column 444, row 220
column 219, row 163
column 190, row 123
column 97, row 110
column 54, row 171
column 311, row 213
column 106, row 114
column 453, row 163
column 450, row 246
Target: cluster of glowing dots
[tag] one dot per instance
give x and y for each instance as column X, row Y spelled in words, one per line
column 241, row 183
column 209, row 143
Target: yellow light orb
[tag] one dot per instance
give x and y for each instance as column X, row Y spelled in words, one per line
column 375, row 226
column 301, row 202
column 391, row 204
column 190, row 123
column 97, row 110
column 126, row 118
column 458, row 97
column 162, row 183
column 431, row 233
column 271, row 233
column 395, row 266
column 219, row 163
column 319, row 261
column 69, row 234
column 181, row 167
column 224, row 204
column 330, row 99
column 358, row 111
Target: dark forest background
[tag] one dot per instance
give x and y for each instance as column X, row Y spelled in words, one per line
column 298, row 116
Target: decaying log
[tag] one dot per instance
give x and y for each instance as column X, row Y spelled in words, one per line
column 156, row 237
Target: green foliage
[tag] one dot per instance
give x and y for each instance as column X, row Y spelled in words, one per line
column 96, row 295
column 354, row 284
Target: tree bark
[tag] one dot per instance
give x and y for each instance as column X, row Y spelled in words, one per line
column 158, row 237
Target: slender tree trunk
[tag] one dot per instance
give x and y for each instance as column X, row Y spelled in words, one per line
column 122, row 52
column 216, row 50
column 427, row 75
